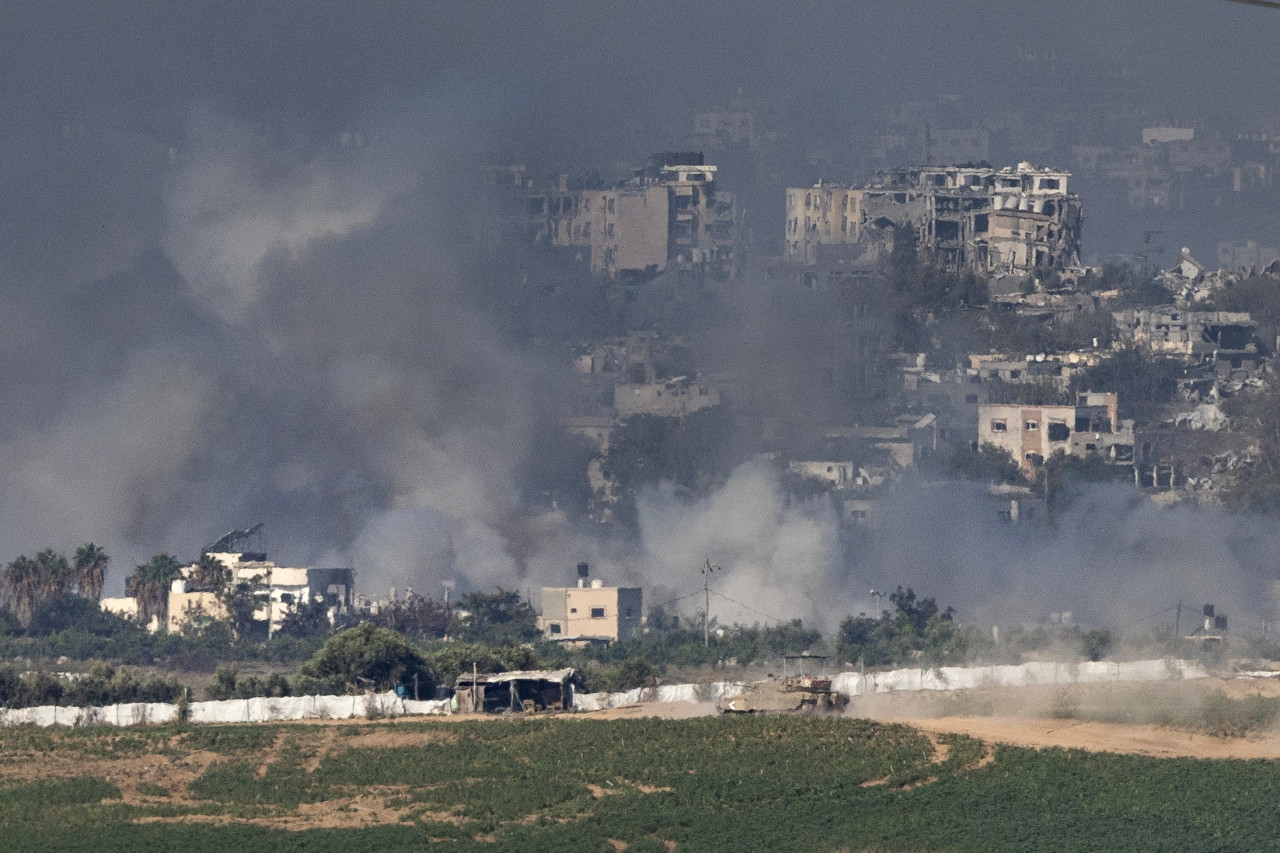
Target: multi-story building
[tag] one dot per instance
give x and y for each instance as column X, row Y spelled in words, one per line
column 1015, row 219
column 590, row 611
column 1032, row 434
column 671, row 212
column 1170, row 330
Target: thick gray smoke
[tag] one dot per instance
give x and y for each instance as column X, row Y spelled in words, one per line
column 234, row 290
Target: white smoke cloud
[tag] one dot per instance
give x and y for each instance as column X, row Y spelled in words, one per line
column 233, row 203
column 776, row 561
column 110, row 462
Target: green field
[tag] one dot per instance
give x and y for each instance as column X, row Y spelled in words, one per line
column 762, row 783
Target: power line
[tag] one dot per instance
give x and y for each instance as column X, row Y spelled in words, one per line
column 749, row 607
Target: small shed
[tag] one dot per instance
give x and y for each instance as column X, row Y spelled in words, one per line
column 533, row 690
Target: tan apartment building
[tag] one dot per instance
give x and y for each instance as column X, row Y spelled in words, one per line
column 1032, row 434
column 590, row 611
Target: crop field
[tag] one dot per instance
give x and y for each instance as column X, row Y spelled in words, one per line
column 742, row 783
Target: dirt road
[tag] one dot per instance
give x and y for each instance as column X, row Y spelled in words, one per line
column 1103, row 737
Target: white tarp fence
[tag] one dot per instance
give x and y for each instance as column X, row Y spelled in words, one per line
column 712, row 692
column 939, row 678
column 1022, row 675
column 264, row 710
column 261, row 710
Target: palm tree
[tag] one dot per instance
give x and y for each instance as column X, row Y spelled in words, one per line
column 55, row 575
column 91, row 570
column 21, row 580
column 208, row 575
column 149, row 585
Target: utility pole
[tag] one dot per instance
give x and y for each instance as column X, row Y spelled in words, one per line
column 1177, row 620
column 879, row 597
column 707, row 569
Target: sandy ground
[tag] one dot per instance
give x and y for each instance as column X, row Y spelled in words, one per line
column 1103, row 737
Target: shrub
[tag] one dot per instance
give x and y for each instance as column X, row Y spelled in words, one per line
column 364, row 656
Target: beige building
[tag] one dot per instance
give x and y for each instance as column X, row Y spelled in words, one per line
column 1015, row 219
column 1032, row 434
column 590, row 611
column 284, row 590
column 671, row 212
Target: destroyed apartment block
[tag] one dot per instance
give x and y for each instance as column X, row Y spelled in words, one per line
column 670, row 214
column 1049, row 307
column 909, row 439
column 1032, row 434
column 1169, row 330
column 989, row 221
column 1190, row 461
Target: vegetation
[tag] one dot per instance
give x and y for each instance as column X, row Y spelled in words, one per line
column 364, row 657
column 102, row 685
column 916, row 630
column 988, row 464
column 693, row 453
column 732, row 783
column 149, row 585
column 1145, row 384
column 500, row 618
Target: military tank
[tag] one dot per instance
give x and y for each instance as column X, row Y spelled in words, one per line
column 800, row 690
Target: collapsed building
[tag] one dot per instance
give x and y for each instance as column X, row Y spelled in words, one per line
column 977, row 218
column 1169, row 330
column 669, row 214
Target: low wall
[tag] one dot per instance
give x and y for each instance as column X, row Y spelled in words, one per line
column 1022, row 675
column 712, row 692
column 919, row 678
column 260, row 710
column 265, row 710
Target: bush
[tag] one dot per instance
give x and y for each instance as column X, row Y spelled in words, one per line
column 362, row 657
column 631, row 673
column 227, row 684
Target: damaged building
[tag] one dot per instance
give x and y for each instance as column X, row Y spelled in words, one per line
column 1011, row 220
column 1169, row 330
column 670, row 213
column 1032, row 434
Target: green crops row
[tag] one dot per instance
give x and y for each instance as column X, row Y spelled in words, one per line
column 759, row 783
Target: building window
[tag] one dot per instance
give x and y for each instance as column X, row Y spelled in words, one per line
column 999, row 426
column 597, row 613
column 573, row 610
column 1032, row 426
column 1059, row 432
column 554, row 628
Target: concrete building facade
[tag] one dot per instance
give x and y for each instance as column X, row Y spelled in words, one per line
column 1016, row 219
column 1032, row 434
column 590, row 611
